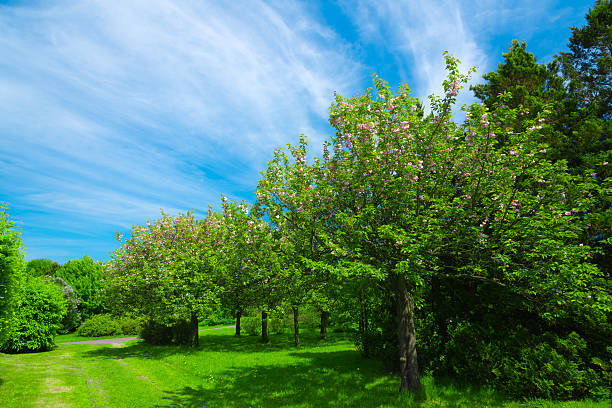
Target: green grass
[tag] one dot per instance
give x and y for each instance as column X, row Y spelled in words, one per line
column 64, row 338
column 224, row 372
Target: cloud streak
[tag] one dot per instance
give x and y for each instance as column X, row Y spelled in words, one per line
column 113, row 111
column 109, row 112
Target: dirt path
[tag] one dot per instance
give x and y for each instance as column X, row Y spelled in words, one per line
column 125, row 339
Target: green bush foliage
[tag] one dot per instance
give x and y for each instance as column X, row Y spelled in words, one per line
column 72, row 318
column 522, row 363
column 35, row 318
column 131, row 325
column 11, row 266
column 42, row 267
column 85, row 277
column 100, row 325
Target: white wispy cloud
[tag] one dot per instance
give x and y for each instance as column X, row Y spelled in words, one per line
column 416, row 33
column 111, row 110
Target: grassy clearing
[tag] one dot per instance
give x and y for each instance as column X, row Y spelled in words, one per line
column 224, row 372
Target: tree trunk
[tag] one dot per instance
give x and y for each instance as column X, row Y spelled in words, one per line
column 363, row 327
column 296, row 326
column 195, row 335
column 324, row 317
column 409, row 367
column 264, row 326
column 238, row 316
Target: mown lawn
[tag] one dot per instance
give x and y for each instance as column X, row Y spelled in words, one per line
column 224, row 372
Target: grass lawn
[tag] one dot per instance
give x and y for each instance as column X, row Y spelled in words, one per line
column 224, row 372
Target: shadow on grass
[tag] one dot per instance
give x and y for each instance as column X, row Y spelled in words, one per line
column 214, row 342
column 325, row 379
column 313, row 377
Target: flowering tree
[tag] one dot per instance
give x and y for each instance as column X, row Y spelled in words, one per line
column 248, row 262
column 164, row 270
column 287, row 194
column 414, row 196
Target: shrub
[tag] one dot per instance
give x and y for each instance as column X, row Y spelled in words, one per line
column 524, row 363
column 37, row 314
column 85, row 277
column 131, row 325
column 99, row 325
column 72, row 318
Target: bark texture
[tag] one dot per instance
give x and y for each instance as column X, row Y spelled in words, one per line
column 409, row 366
column 195, row 335
column 264, row 326
column 238, row 316
column 296, row 326
column 324, row 318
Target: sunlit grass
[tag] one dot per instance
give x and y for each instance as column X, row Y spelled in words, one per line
column 224, row 371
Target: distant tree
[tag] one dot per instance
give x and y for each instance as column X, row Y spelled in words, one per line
column 164, row 270
column 247, row 262
column 588, row 64
column 285, row 196
column 42, row 267
column 85, row 277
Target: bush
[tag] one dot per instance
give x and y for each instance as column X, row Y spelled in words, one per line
column 36, row 315
column 131, row 325
column 526, row 364
column 99, row 325
column 72, row 318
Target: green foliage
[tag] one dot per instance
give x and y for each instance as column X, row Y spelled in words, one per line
column 108, row 325
column 85, row 277
column 130, row 324
column 247, row 261
column 99, row 326
column 42, row 267
column 36, row 316
column 164, row 271
column 276, row 326
column 72, row 318
column 588, row 65
column 11, row 266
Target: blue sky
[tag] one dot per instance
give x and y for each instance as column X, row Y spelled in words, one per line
column 111, row 111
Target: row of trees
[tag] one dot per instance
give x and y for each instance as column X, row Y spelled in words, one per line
column 490, row 238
